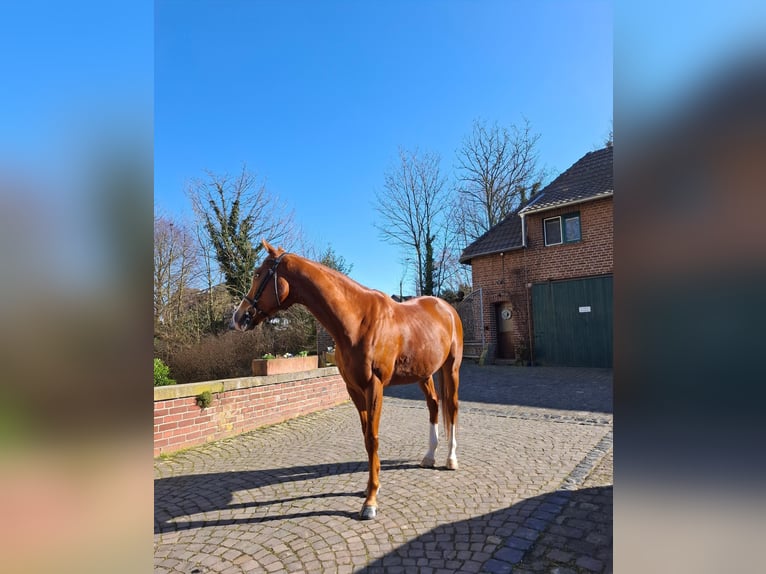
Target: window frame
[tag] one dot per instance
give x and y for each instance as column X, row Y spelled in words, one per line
column 562, row 228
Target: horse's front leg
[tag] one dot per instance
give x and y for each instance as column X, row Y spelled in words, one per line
column 374, row 396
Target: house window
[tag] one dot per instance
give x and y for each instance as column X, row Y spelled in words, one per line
column 562, row 229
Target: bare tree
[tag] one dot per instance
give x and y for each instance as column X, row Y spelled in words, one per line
column 214, row 302
column 236, row 213
column 175, row 269
column 453, row 275
column 412, row 209
column 497, row 171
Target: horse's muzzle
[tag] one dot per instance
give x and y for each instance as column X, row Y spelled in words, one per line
column 244, row 321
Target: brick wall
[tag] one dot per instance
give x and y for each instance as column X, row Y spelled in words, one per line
column 239, row 405
column 592, row 255
column 504, row 277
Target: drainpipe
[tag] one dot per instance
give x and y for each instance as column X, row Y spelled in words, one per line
column 528, row 286
column 530, row 341
column 523, row 232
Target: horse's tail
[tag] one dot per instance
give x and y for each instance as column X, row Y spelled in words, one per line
column 448, row 387
column 440, row 375
column 448, row 374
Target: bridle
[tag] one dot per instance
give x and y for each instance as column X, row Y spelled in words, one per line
column 262, row 287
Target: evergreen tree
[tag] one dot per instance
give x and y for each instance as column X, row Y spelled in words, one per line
column 236, row 213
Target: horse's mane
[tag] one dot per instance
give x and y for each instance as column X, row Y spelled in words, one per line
column 338, row 276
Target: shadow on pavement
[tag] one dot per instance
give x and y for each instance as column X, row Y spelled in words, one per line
column 563, row 388
column 567, row 531
column 187, row 495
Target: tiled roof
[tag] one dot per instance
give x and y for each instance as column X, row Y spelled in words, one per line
column 504, row 236
column 590, row 177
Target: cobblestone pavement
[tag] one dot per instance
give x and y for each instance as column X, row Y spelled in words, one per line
column 533, row 492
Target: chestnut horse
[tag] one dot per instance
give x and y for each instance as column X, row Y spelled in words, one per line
column 378, row 342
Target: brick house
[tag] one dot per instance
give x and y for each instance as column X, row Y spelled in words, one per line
column 545, row 271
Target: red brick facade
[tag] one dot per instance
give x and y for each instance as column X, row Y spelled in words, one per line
column 506, row 277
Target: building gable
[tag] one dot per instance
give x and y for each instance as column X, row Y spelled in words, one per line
column 563, row 235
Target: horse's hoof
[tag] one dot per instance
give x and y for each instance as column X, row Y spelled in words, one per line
column 452, row 464
column 427, row 462
column 368, row 512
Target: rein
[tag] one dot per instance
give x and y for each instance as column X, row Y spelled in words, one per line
column 262, row 287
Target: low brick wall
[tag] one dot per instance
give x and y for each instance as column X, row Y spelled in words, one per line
column 239, row 405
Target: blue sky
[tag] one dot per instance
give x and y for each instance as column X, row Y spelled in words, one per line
column 316, row 98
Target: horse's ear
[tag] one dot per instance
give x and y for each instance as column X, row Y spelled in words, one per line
column 268, row 247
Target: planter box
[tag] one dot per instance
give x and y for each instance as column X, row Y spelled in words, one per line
column 263, row 367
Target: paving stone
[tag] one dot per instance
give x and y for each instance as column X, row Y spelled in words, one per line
column 582, row 547
column 526, row 533
column 497, row 567
column 536, row 524
column 559, row 555
column 589, row 563
column 231, row 555
column 566, row 531
column 518, row 543
column 597, row 538
column 509, row 555
column 471, row 566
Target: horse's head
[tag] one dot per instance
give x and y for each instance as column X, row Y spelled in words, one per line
column 267, row 294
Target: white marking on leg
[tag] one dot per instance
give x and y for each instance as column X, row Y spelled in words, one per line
column 452, row 442
column 433, row 441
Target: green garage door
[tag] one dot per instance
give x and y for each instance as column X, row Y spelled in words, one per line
column 573, row 322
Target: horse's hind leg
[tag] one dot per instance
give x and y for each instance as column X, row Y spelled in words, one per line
column 450, row 378
column 427, row 386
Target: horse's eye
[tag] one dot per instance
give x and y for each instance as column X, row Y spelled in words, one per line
column 257, row 275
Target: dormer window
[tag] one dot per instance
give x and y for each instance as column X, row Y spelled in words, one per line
column 562, row 229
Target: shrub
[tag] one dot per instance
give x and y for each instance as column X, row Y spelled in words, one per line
column 230, row 354
column 162, row 374
column 218, row 356
column 204, row 399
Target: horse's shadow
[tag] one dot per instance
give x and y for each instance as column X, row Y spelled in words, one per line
column 187, row 495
